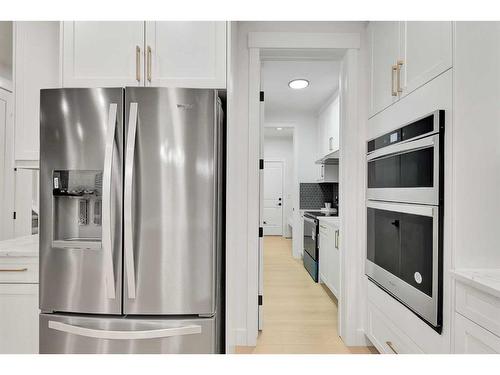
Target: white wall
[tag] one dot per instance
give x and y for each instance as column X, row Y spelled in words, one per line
column 281, row 148
column 238, row 150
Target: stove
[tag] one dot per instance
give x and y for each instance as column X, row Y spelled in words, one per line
column 316, row 214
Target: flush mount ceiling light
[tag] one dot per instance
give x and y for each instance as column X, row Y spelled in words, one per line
column 298, row 84
column 279, row 128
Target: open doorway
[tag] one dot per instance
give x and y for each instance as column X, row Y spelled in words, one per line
column 299, row 288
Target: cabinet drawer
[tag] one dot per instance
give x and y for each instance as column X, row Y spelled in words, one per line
column 471, row 338
column 386, row 337
column 481, row 308
column 18, row 270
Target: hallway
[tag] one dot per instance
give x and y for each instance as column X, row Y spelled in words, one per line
column 300, row 316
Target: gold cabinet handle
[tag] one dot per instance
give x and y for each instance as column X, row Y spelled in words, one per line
column 394, row 69
column 398, row 83
column 391, row 346
column 149, row 53
column 138, row 63
column 13, row 270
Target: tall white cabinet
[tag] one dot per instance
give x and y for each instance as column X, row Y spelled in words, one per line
column 36, row 66
column 404, row 56
column 168, row 53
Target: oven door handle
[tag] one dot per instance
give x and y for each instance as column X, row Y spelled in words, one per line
column 400, row 148
column 412, row 209
column 312, row 221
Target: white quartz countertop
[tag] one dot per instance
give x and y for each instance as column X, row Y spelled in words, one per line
column 26, row 246
column 486, row 280
column 329, row 220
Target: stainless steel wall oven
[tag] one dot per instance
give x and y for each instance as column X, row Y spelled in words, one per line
column 405, row 215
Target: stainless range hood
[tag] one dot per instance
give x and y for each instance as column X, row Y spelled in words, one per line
column 330, row 159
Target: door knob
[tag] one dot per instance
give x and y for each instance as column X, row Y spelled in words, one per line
column 279, row 204
column 279, row 199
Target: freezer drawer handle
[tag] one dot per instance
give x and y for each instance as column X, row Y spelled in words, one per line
column 107, row 243
column 129, row 175
column 124, row 335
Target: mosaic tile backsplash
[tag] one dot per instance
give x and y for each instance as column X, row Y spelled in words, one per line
column 313, row 196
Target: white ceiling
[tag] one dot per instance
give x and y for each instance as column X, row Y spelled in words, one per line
column 323, row 77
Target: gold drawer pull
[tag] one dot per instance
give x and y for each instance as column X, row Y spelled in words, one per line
column 13, row 270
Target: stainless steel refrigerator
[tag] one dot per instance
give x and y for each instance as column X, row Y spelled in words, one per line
column 131, row 220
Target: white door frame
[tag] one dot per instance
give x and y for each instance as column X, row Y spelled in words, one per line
column 348, row 329
column 283, row 188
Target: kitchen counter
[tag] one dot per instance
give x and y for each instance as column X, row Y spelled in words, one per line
column 486, row 280
column 330, row 220
column 26, row 246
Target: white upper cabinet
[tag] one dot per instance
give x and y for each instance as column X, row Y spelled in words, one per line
column 103, row 54
column 186, row 54
column 36, row 66
column 169, row 53
column 404, row 56
column 384, row 38
column 426, row 52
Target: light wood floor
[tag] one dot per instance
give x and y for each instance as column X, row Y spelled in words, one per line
column 300, row 316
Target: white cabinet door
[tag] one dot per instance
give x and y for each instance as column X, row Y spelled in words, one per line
column 6, row 165
column 384, row 43
column 426, row 52
column 324, row 245
column 36, row 66
column 26, row 202
column 335, row 262
column 471, row 338
column 19, row 318
column 186, row 54
column 103, row 54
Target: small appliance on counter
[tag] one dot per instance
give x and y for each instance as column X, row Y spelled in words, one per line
column 311, row 243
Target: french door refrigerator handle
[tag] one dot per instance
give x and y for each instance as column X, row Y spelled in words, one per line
column 107, row 243
column 129, row 174
column 124, row 335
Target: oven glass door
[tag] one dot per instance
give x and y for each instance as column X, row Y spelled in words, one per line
column 310, row 237
column 403, row 254
column 402, row 244
column 405, row 172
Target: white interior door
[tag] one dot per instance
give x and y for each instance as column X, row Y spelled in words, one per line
column 273, row 198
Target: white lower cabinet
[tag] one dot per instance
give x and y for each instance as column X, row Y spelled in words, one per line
column 477, row 322
column 329, row 257
column 471, row 338
column 386, row 337
column 18, row 318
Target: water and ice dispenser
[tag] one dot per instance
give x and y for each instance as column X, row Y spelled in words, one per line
column 77, row 209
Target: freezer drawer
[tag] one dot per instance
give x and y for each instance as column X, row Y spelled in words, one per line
column 64, row 334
